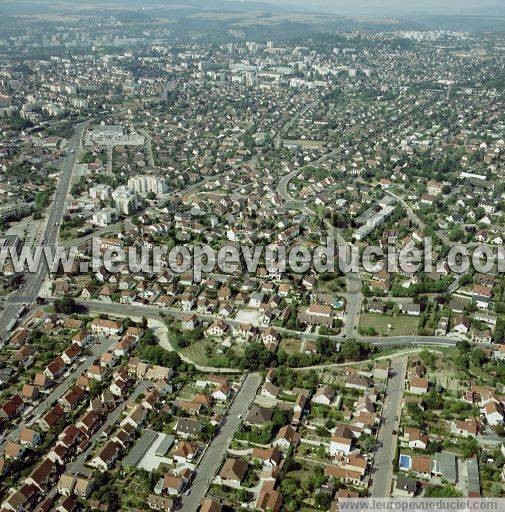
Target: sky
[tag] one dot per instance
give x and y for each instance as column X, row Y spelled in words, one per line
column 398, row 7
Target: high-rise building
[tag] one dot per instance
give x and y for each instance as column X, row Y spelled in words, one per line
column 125, row 200
column 142, row 185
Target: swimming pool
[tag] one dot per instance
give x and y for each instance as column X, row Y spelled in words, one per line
column 405, row 462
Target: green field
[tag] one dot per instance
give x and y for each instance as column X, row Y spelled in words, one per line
column 305, row 143
column 290, row 345
column 195, row 352
column 400, row 325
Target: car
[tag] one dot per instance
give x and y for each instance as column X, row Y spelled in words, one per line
column 239, row 416
column 188, row 492
column 396, row 418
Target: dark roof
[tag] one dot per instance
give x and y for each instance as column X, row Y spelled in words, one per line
column 188, row 426
column 259, row 415
column 406, row 483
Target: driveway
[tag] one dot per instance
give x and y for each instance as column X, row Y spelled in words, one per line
column 77, row 465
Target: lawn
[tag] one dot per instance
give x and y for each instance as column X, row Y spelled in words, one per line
column 305, row 143
column 195, row 352
column 400, row 325
column 301, row 475
column 290, row 346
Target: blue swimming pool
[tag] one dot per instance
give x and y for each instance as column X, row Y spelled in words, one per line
column 405, row 462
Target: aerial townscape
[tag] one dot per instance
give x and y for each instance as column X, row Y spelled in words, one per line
column 164, row 127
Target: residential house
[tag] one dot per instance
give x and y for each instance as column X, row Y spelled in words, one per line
column 233, row 471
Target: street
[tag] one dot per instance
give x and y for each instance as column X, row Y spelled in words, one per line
column 382, row 468
column 154, row 312
column 77, row 465
column 353, row 284
column 216, row 452
column 33, row 281
column 98, row 348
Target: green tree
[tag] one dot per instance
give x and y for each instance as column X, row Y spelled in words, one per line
column 65, row 305
column 256, row 356
column 323, row 500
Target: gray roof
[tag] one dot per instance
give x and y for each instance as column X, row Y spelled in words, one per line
column 188, row 426
column 473, row 477
column 447, row 465
column 406, row 483
column 138, row 451
column 259, row 415
column 164, row 446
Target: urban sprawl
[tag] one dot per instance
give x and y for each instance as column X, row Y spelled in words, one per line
column 263, row 389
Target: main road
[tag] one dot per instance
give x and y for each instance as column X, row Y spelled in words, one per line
column 155, row 314
column 32, row 284
column 382, row 468
column 216, row 452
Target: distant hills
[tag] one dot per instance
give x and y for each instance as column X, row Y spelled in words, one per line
column 229, row 20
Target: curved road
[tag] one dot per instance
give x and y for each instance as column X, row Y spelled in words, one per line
column 154, row 314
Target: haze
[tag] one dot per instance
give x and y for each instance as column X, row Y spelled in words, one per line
column 397, row 7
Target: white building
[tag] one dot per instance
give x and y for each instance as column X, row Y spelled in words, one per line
column 125, row 200
column 341, row 442
column 101, row 191
column 142, row 185
column 104, row 217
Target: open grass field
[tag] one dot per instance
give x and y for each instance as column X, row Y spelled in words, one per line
column 195, row 352
column 290, row 346
column 400, row 325
column 309, row 144
column 302, row 475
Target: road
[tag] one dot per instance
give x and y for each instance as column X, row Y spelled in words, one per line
column 401, row 341
column 414, row 218
column 288, row 198
column 285, row 129
column 153, row 314
column 77, row 467
column 171, row 86
column 216, row 452
column 353, row 284
column 353, row 280
column 382, row 468
column 149, row 148
column 98, row 348
column 33, row 281
column 354, row 298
